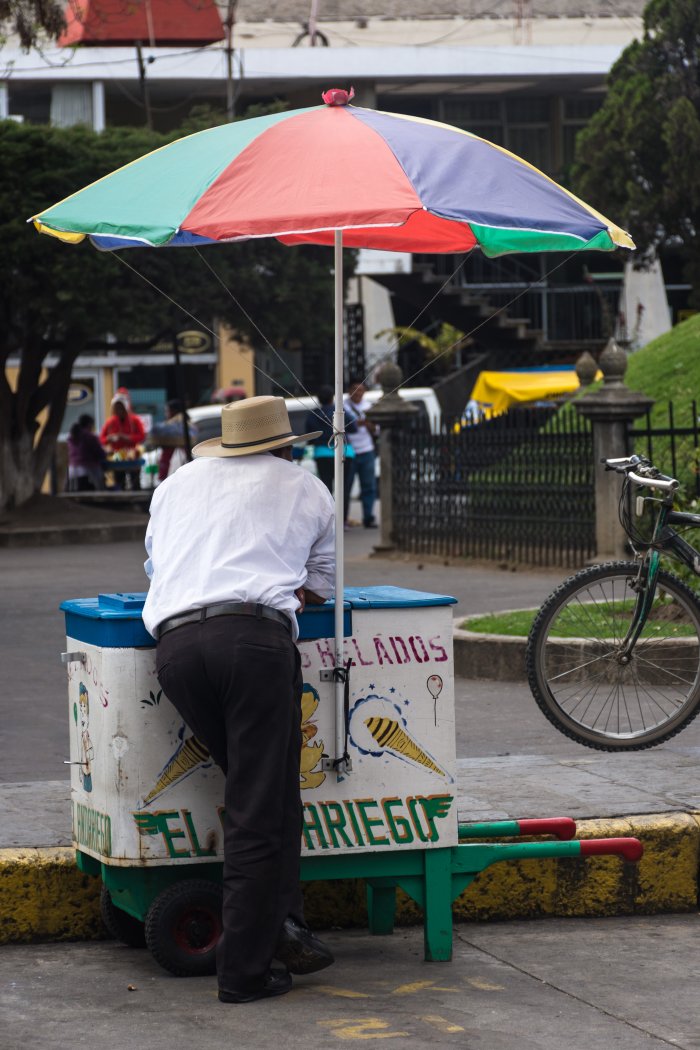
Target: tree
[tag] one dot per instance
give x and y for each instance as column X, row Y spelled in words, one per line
column 638, row 158
column 441, row 350
column 31, row 19
column 56, row 299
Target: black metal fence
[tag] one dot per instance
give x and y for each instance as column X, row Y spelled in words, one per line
column 670, row 438
column 518, row 488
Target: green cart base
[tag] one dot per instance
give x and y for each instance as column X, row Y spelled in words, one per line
column 176, row 910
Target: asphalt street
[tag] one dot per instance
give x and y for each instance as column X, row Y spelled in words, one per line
column 33, row 719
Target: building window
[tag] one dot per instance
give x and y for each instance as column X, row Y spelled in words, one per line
column 32, row 102
column 522, row 125
column 577, row 110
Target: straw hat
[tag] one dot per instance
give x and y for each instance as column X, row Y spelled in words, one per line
column 258, row 424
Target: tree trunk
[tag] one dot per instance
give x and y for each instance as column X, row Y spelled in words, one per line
column 16, row 470
column 24, row 460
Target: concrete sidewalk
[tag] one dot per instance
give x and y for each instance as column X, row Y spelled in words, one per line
column 512, row 763
column 626, row 984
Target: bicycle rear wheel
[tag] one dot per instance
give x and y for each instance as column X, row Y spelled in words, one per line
column 578, row 674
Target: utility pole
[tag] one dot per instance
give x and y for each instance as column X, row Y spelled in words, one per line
column 145, row 96
column 313, row 14
column 229, row 23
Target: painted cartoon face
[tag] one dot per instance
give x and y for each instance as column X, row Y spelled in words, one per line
column 83, row 707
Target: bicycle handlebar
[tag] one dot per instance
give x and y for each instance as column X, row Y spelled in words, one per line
column 662, row 482
column 642, row 472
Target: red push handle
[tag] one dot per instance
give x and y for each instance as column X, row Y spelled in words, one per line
column 561, row 827
column 630, row 849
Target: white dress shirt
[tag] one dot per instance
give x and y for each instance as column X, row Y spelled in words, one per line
column 238, row 529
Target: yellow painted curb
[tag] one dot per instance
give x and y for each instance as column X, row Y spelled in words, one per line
column 666, row 878
column 43, row 896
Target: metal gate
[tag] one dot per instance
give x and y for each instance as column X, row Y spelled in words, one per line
column 517, row 488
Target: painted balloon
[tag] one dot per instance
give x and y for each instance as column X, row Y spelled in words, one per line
column 434, row 684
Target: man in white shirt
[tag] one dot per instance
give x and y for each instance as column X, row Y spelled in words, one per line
column 238, row 540
column 363, row 462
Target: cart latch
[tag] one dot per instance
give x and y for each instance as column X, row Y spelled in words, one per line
column 341, row 763
column 73, row 658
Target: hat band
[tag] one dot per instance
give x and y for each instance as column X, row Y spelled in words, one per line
column 260, row 441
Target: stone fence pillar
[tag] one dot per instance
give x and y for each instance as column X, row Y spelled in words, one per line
column 610, row 409
column 390, row 413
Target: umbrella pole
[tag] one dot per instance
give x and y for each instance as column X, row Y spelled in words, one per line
column 342, row 765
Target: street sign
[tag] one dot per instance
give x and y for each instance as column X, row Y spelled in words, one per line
column 192, row 342
column 79, row 394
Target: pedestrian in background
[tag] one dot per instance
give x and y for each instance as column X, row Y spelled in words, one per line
column 85, row 457
column 239, row 539
column 169, row 437
column 363, row 463
column 122, row 435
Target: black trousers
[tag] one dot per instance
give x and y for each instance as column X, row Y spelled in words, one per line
column 236, row 681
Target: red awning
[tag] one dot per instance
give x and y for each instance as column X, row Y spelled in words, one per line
column 162, row 22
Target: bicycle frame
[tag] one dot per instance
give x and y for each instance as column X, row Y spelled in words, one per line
column 666, row 540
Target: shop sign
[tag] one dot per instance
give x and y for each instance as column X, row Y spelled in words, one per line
column 193, row 342
column 190, row 342
column 79, row 394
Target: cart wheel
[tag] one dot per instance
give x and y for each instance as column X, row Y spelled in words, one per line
column 119, row 923
column 183, row 926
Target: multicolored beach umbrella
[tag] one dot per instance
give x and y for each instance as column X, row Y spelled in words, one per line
column 341, row 175
column 386, row 180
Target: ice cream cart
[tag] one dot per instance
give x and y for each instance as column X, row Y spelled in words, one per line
column 147, row 798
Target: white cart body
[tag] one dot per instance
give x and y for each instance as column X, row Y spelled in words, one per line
column 146, row 792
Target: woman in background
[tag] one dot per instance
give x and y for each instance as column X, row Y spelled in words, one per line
column 122, row 436
column 85, row 457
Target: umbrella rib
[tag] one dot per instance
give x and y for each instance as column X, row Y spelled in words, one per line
column 255, row 326
column 499, row 310
column 189, row 313
column 418, row 316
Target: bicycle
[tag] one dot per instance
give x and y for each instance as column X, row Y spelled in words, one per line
column 613, row 655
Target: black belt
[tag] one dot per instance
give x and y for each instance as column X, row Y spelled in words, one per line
column 224, row 609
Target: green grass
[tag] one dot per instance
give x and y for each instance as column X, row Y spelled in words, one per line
column 512, row 623
column 572, row 624
column 668, row 368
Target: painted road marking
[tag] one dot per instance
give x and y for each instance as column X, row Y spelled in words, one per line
column 361, row 1028
column 342, row 993
column 484, row 986
column 441, row 1023
column 420, row 986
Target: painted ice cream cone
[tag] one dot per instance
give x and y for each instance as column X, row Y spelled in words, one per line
column 189, row 755
column 393, row 737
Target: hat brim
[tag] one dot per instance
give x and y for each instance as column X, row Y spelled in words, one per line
column 213, row 446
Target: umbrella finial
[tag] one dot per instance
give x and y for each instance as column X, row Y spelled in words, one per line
column 338, row 96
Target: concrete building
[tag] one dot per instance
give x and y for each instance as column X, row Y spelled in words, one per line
column 527, row 74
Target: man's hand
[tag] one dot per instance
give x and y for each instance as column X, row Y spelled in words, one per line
column 307, row 597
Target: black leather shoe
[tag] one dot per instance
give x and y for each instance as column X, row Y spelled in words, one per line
column 300, row 950
column 277, row 982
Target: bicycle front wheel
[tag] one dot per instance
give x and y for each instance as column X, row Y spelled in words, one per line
column 584, row 683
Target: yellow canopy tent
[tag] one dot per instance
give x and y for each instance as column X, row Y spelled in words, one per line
column 496, row 392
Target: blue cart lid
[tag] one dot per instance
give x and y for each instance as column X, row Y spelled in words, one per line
column 393, row 598
column 114, row 620
column 110, row 620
